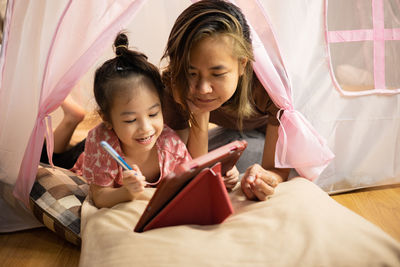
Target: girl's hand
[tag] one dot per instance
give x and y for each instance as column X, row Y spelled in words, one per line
column 134, row 181
column 231, row 178
column 258, row 183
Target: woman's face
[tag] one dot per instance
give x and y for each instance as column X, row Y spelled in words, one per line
column 214, row 72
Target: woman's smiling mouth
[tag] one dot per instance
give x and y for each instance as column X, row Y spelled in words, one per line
column 205, row 101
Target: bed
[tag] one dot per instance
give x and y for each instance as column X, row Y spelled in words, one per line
column 300, row 225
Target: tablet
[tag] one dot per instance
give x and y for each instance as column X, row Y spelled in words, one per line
column 175, row 182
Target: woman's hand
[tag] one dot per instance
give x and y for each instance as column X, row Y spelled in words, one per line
column 201, row 117
column 231, row 178
column 195, row 110
column 258, row 183
column 197, row 142
column 134, row 181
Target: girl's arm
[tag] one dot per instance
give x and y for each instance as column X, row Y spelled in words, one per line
column 106, row 197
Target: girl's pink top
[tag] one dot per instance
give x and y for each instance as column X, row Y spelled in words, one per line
column 98, row 167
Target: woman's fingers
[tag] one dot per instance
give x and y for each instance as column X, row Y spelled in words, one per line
column 231, row 178
column 247, row 190
column 193, row 108
column 257, row 172
column 260, row 181
column 230, row 185
column 261, row 189
column 232, row 172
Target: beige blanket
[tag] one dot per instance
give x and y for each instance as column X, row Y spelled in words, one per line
column 300, row 225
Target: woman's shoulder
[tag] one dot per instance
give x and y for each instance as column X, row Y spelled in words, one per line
column 260, row 96
column 263, row 102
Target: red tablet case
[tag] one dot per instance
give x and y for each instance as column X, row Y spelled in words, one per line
column 203, row 201
column 195, row 194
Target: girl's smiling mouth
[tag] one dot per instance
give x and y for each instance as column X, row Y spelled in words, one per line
column 145, row 140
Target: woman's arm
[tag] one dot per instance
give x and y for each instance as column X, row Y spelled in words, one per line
column 198, row 135
column 268, row 160
column 183, row 134
column 259, row 182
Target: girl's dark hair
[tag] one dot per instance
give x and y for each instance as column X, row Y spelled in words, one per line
column 200, row 20
column 126, row 64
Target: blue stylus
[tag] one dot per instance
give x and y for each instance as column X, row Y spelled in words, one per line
column 115, row 155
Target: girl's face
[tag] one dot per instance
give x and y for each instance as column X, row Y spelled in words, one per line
column 214, row 72
column 136, row 116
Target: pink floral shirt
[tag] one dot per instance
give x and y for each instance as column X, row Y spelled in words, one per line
column 98, row 167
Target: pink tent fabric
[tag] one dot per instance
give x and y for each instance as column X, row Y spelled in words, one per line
column 84, row 30
column 299, row 145
column 374, row 28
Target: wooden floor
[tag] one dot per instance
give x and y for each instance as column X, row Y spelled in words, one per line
column 37, row 248
column 41, row 247
column 379, row 205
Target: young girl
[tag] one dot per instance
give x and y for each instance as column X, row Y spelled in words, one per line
column 128, row 91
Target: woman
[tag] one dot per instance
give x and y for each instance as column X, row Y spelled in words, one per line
column 210, row 79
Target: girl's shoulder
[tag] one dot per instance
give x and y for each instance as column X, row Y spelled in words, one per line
column 169, row 133
column 101, row 127
column 169, row 140
column 100, row 133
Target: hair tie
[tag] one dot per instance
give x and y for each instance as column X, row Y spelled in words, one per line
column 118, row 46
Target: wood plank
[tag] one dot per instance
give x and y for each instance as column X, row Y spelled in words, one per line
column 37, row 247
column 379, row 205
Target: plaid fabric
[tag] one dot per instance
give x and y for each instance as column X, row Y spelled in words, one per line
column 56, row 199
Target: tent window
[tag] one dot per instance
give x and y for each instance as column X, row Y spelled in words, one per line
column 364, row 45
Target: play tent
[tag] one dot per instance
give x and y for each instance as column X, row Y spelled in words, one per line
column 331, row 66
